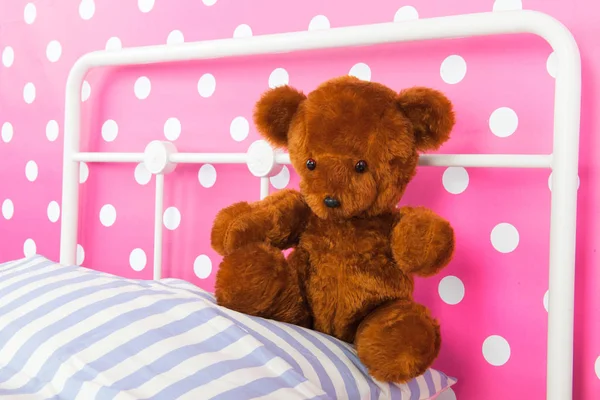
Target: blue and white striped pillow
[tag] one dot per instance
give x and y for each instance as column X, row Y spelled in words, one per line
column 69, row 332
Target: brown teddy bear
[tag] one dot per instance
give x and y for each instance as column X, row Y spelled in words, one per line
column 355, row 147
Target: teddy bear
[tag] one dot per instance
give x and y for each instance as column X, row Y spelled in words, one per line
column 353, row 251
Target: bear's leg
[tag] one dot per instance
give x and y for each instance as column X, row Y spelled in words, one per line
column 256, row 279
column 398, row 341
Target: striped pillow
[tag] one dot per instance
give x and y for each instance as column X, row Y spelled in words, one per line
column 69, row 332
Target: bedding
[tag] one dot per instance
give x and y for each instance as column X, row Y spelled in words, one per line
column 69, row 332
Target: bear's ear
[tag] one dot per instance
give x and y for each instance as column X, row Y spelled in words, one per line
column 274, row 111
column 431, row 114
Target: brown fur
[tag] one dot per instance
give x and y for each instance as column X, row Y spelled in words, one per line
column 350, row 272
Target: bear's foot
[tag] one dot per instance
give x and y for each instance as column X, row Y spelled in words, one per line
column 257, row 280
column 398, row 341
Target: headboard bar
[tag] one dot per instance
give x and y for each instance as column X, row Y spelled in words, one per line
column 437, row 160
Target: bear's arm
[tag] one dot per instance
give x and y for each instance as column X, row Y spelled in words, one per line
column 422, row 242
column 278, row 220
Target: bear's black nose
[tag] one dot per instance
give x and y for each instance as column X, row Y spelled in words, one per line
column 331, row 202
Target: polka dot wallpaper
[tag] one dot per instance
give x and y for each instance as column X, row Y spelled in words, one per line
column 492, row 299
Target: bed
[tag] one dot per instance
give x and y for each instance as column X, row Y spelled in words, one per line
column 69, row 332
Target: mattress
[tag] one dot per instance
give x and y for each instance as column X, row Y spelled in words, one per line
column 68, row 332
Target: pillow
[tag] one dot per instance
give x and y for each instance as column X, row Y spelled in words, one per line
column 71, row 332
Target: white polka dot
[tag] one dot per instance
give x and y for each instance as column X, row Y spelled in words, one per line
column 242, row 30
column 278, row 77
column 8, row 56
column 142, row 87
column 318, row 22
column 31, row 171
column 550, row 182
column 406, row 13
column 7, row 132
column 80, row 255
column 29, row 248
column 496, row 350
column 29, row 92
column 137, row 259
column 545, row 300
column 552, row 65
column 207, row 175
column 86, row 91
column 447, row 394
column 209, row 2
column 145, row 5
column 113, row 44
column 282, row 179
column 87, row 8
column 451, row 290
column 53, row 50
column 202, row 266
column 361, row 71
column 453, row 69
column 171, row 218
column 175, row 37
column 108, row 215
column 503, row 122
column 239, row 128
column 8, row 209
column 505, row 237
column 207, row 85
column 141, row 174
column 455, row 179
column 110, row 130
column 84, row 172
column 172, row 128
column 29, row 13
column 597, row 367
column 507, row 5
column 53, row 211
column 52, row 130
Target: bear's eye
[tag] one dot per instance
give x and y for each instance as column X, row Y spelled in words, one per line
column 311, row 164
column 361, row 166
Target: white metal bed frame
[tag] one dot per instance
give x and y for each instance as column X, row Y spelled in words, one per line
column 161, row 157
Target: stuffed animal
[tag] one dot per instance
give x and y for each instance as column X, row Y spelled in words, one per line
column 355, row 146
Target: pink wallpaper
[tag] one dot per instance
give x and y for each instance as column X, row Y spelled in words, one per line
column 490, row 300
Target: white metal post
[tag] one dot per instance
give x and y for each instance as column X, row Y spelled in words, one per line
column 158, row 225
column 563, row 214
